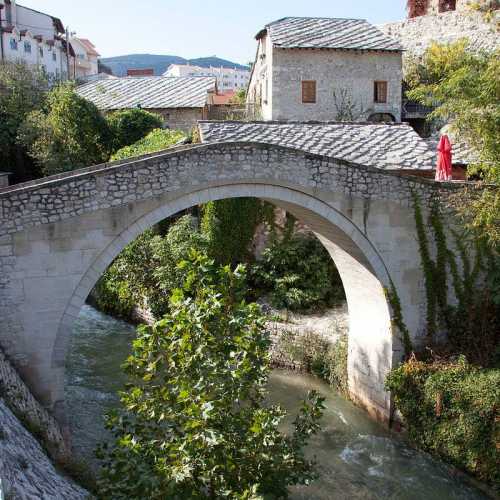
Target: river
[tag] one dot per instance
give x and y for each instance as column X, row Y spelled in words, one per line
column 357, row 458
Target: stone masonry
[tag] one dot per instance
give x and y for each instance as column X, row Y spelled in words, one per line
column 59, row 234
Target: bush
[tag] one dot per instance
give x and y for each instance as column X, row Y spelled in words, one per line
column 298, row 274
column 69, row 133
column 157, row 140
column 195, row 423
column 130, row 125
column 451, row 410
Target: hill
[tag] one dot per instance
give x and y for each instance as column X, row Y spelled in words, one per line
column 120, row 64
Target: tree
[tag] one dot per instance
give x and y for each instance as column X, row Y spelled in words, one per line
column 194, row 423
column 68, row 133
column 22, row 90
column 240, row 97
column 465, row 88
column 130, row 125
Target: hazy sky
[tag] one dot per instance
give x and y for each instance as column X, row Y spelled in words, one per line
column 196, row 28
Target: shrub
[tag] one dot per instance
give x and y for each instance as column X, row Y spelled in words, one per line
column 130, row 125
column 451, row 410
column 194, row 423
column 157, row 140
column 69, row 133
column 298, row 274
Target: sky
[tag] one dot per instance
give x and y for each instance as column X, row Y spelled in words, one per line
column 196, row 28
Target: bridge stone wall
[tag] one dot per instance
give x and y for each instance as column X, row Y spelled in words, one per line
column 58, row 235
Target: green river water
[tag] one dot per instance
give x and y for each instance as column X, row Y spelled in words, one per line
column 357, row 458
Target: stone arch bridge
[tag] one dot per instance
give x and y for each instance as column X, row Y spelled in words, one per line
column 59, row 234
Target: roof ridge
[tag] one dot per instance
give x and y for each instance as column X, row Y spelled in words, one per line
column 319, row 17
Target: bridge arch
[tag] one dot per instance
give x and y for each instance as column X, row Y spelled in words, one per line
column 58, row 235
column 362, row 270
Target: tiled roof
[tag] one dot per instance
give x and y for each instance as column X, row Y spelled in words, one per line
column 328, row 33
column 384, row 146
column 461, row 152
column 154, row 92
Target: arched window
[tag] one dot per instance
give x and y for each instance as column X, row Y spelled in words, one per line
column 381, row 118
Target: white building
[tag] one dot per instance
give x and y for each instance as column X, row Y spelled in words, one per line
column 227, row 78
column 85, row 63
column 32, row 36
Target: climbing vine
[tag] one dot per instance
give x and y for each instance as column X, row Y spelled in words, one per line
column 230, row 227
column 398, row 320
column 471, row 322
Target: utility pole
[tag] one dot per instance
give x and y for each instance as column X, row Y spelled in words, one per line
column 1, row 35
column 67, row 52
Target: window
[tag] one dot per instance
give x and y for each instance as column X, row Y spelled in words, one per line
column 40, row 51
column 54, row 56
column 380, row 92
column 27, row 47
column 13, row 44
column 308, row 92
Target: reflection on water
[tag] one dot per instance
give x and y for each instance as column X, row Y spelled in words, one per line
column 357, row 458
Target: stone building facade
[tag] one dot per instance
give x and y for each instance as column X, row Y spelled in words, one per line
column 346, row 70
column 416, row 34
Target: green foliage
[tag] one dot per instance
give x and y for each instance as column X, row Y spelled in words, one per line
column 146, row 271
column 130, row 125
column 298, row 274
column 451, row 410
column 473, row 322
column 313, row 353
column 240, row 97
column 22, row 90
column 465, row 86
column 229, row 226
column 68, row 133
column 157, row 140
column 194, row 423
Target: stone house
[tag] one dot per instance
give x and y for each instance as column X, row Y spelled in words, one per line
column 180, row 101
column 326, row 69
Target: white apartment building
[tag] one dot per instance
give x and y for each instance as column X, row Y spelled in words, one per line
column 227, row 78
column 32, row 36
column 85, row 63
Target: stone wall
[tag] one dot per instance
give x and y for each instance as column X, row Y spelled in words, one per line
column 417, row 34
column 26, row 473
column 184, row 119
column 334, row 71
column 20, row 400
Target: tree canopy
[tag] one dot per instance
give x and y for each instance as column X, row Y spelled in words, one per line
column 195, row 423
column 465, row 88
column 67, row 133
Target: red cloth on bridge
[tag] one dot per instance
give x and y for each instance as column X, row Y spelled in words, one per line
column 443, row 169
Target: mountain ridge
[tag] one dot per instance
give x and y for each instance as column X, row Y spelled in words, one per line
column 160, row 63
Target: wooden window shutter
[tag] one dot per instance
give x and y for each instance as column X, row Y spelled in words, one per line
column 309, row 91
column 380, row 92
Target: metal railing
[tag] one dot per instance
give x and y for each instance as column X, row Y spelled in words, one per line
column 415, row 108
